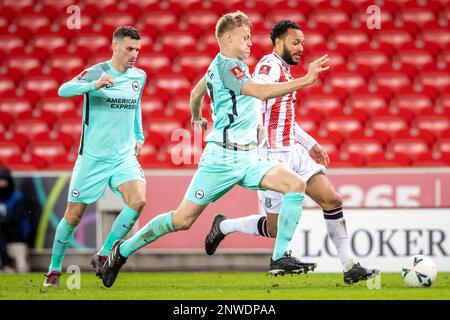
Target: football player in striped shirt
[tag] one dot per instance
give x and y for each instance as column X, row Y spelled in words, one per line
column 287, row 143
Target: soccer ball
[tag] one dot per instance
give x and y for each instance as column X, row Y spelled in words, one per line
column 419, row 271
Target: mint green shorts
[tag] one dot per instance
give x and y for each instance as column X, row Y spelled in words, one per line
column 90, row 178
column 221, row 169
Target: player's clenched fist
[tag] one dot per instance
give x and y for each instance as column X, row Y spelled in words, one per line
column 104, row 81
column 317, row 67
column 199, row 125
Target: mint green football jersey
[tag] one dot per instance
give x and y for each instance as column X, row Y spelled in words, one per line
column 235, row 115
column 112, row 121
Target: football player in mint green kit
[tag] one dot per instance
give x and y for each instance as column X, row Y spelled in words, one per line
column 230, row 157
column 110, row 142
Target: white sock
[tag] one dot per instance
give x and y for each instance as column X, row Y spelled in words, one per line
column 247, row 225
column 337, row 232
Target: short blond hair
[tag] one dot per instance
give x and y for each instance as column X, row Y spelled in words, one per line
column 231, row 21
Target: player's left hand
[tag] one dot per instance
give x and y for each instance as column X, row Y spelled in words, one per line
column 138, row 149
column 319, row 155
column 199, row 125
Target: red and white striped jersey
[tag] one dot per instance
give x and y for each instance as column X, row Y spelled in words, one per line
column 278, row 114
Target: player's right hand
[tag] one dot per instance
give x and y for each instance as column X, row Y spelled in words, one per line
column 199, row 125
column 104, row 81
column 317, row 67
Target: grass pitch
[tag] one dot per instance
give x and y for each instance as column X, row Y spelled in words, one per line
column 223, row 286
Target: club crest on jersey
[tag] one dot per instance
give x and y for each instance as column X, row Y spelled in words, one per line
column 268, row 203
column 264, row 69
column 199, row 194
column 238, row 73
column 135, row 85
column 75, row 193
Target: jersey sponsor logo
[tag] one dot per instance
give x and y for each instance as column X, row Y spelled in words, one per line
column 265, row 69
column 199, row 194
column 75, row 193
column 122, row 103
column 135, row 85
column 238, row 73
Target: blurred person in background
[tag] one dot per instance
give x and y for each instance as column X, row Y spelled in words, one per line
column 14, row 226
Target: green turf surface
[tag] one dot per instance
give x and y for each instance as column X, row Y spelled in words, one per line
column 219, row 286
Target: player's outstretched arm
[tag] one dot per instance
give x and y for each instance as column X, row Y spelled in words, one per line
column 266, row 91
column 195, row 101
column 78, row 86
column 304, row 138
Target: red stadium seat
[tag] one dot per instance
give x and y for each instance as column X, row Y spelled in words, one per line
column 333, row 137
column 277, row 15
column 371, row 56
column 393, row 79
column 48, row 138
column 15, row 38
column 368, row 133
column 389, row 124
column 349, row 79
column 153, row 60
column 63, row 161
column 32, row 21
column 45, row 116
column 409, row 146
column 402, row 113
column 26, row 162
column 388, row 159
column 346, row 160
column 47, row 149
column 247, row 6
column 316, row 34
column 164, row 127
column 436, row 77
column 433, row 123
column 14, row 104
column 9, row 149
column 151, row 103
column 368, row 101
column 92, row 40
column 101, row 5
column 436, row 33
column 338, row 54
column 171, row 6
column 343, row 124
column 15, row 137
column 418, row 57
column 7, row 16
column 443, row 145
column 172, row 82
column 204, row 19
column 363, row 147
column 178, row 39
column 5, row 119
column 321, row 102
column 416, row 14
column 331, row 16
column 350, row 34
column 357, row 114
column 414, row 133
column 56, row 105
column 200, row 61
column 160, row 19
column 413, row 101
column 397, row 33
column 6, row 83
column 433, row 159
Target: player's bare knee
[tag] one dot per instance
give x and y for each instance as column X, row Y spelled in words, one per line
column 332, row 201
column 296, row 184
column 184, row 224
column 137, row 204
column 72, row 218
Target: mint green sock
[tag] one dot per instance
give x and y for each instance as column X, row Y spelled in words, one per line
column 158, row 226
column 63, row 235
column 290, row 213
column 121, row 226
